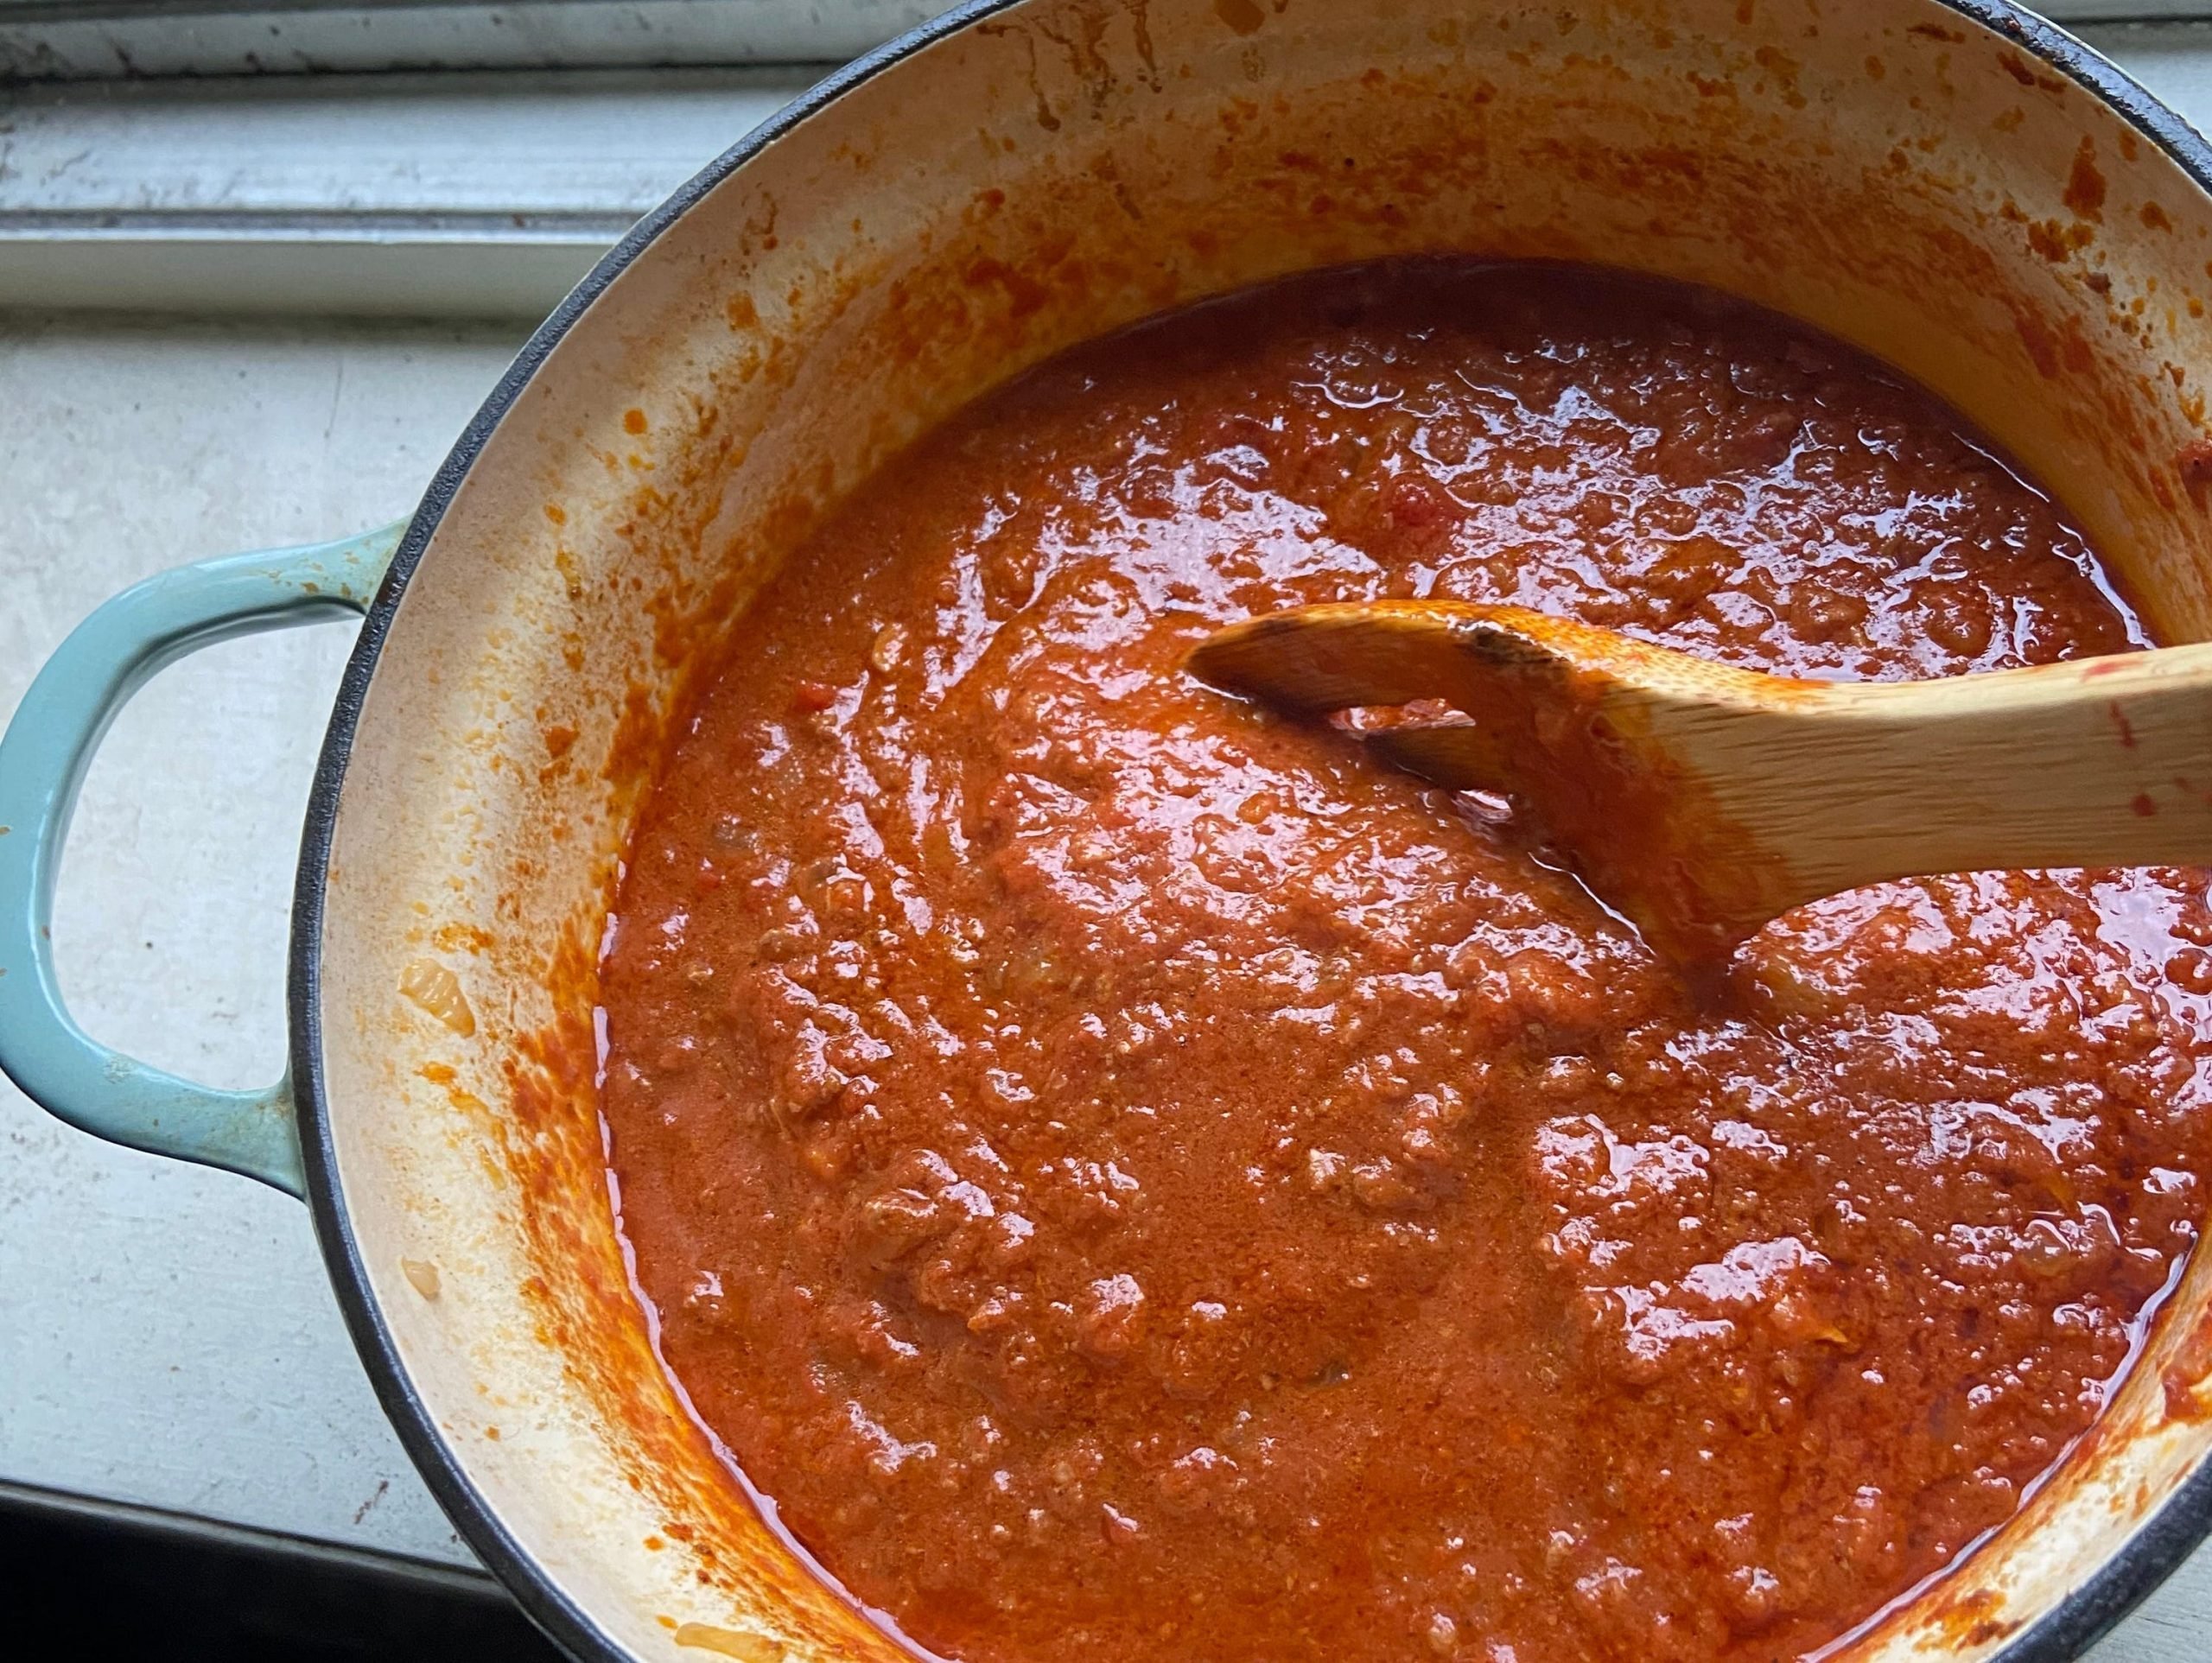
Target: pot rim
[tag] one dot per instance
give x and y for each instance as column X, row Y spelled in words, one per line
column 2182, row 1521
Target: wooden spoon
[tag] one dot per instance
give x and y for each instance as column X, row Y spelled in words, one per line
column 1700, row 801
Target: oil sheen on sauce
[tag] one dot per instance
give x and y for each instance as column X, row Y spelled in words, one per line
column 1131, row 1179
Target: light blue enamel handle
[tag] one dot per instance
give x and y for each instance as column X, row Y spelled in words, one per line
column 43, row 761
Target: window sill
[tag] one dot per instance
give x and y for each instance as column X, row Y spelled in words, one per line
column 460, row 193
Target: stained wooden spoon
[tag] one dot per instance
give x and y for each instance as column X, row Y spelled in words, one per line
column 1701, row 801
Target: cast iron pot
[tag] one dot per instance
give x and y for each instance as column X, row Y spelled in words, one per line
column 1950, row 183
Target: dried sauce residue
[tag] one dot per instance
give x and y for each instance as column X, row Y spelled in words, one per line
column 2085, row 185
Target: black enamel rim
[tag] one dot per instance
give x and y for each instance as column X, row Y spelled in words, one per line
column 2087, row 1612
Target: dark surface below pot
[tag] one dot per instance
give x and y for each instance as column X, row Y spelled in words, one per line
column 103, row 1580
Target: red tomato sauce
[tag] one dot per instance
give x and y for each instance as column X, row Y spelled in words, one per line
column 1130, row 1177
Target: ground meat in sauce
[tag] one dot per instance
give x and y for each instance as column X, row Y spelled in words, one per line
column 1130, row 1179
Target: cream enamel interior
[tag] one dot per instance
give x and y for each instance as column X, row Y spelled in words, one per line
column 1886, row 168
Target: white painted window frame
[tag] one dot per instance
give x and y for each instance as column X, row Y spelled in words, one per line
column 94, row 39
column 448, row 157
column 62, row 39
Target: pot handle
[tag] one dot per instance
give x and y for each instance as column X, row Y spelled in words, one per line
column 43, row 757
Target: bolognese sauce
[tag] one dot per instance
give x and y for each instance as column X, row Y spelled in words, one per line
column 1130, row 1177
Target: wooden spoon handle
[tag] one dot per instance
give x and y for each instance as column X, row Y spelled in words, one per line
column 1707, row 799
column 2101, row 762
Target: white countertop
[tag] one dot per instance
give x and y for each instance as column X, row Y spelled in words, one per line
column 167, row 1336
